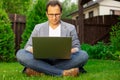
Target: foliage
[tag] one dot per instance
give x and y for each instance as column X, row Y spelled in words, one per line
column 16, row 6
column 35, row 15
column 1, row 4
column 115, row 40
column 68, row 8
column 99, row 51
column 6, row 38
column 94, row 51
column 115, row 36
column 117, row 55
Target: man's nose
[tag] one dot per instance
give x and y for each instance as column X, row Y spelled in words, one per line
column 54, row 16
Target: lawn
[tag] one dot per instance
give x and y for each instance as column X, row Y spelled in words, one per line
column 97, row 70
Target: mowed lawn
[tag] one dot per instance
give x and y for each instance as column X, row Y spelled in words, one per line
column 97, row 70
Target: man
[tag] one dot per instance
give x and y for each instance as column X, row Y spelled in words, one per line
column 54, row 27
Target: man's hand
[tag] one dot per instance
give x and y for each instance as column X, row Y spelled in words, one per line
column 30, row 49
column 73, row 50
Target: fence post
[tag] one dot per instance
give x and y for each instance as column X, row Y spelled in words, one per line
column 18, row 25
column 81, row 21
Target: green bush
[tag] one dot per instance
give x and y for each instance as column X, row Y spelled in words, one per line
column 115, row 40
column 98, row 51
column 117, row 55
column 115, row 37
column 36, row 15
column 6, row 38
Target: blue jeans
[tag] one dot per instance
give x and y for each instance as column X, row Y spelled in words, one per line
column 53, row 67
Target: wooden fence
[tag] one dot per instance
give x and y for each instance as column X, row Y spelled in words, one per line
column 98, row 28
column 18, row 26
column 95, row 29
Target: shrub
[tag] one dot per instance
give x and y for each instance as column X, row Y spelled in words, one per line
column 115, row 40
column 6, row 38
column 98, row 51
column 117, row 55
column 115, row 37
column 35, row 15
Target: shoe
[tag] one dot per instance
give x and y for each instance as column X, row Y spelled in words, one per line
column 71, row 72
column 30, row 72
column 82, row 70
column 24, row 69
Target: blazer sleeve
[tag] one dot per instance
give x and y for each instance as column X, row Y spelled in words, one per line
column 33, row 34
column 75, row 39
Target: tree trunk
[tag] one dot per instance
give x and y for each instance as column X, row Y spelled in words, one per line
column 81, row 21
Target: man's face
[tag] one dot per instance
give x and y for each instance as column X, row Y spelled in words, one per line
column 54, row 14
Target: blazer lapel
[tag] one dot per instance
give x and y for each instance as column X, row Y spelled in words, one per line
column 63, row 30
column 46, row 30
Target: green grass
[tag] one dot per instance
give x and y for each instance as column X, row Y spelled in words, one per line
column 97, row 70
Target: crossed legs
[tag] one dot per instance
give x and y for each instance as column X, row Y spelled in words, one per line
column 59, row 68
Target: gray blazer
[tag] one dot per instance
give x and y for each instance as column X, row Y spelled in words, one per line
column 67, row 30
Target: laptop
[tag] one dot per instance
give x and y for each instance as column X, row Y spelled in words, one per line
column 52, row 47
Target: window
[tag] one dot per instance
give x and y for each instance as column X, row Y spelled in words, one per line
column 84, row 16
column 112, row 12
column 77, row 18
column 91, row 14
column 115, row 12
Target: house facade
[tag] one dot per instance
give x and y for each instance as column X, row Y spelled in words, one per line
column 99, row 7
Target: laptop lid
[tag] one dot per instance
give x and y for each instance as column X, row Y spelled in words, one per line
column 52, row 47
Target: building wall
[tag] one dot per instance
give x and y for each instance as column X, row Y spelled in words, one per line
column 102, row 8
column 108, row 5
column 95, row 10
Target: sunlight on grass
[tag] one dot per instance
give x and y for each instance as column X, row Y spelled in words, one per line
column 97, row 70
